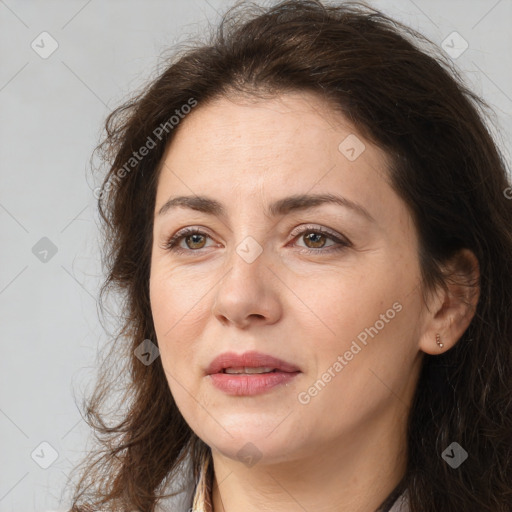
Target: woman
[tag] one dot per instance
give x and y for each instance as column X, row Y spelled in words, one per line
column 309, row 223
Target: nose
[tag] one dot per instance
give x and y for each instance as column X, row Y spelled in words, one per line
column 249, row 291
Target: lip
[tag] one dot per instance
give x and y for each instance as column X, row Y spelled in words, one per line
column 251, row 359
column 249, row 384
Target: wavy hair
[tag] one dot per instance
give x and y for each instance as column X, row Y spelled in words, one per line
column 402, row 94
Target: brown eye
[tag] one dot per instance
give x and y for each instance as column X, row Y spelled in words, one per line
column 317, row 240
column 196, row 242
column 314, row 239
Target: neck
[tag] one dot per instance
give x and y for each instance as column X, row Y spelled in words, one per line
column 355, row 475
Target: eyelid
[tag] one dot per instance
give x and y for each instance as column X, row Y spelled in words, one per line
column 171, row 243
column 325, row 231
column 183, row 233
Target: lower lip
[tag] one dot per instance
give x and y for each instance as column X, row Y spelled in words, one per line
column 250, row 384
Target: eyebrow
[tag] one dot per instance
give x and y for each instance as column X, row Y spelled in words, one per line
column 278, row 208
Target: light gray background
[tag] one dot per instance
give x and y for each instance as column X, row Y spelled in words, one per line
column 52, row 113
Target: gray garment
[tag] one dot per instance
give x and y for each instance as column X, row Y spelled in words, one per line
column 182, row 502
column 401, row 504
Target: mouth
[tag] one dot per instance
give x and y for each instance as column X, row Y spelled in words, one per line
column 249, row 363
column 250, row 373
column 248, row 370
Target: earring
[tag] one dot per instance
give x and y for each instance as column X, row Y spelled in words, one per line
column 438, row 341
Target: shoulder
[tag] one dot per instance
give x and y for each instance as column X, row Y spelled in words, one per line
column 184, row 487
column 401, row 504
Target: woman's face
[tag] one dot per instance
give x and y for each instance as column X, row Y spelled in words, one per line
column 328, row 289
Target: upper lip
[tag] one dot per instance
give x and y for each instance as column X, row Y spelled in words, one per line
column 251, row 359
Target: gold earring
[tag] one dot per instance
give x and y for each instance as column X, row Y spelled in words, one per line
column 438, row 341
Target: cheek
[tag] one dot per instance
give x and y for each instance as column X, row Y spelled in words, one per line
column 181, row 305
column 173, row 317
column 176, row 297
column 367, row 320
column 340, row 304
column 173, row 306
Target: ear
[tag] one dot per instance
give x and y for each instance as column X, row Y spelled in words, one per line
column 451, row 309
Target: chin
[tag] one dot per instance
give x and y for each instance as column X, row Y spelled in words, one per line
column 251, row 451
column 245, row 437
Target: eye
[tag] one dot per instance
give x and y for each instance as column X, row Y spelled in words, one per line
column 195, row 240
column 317, row 236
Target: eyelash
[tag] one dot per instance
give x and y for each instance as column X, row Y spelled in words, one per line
column 172, row 243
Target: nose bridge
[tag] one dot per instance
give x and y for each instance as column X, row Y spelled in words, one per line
column 249, row 231
column 250, row 251
column 246, row 290
column 246, row 261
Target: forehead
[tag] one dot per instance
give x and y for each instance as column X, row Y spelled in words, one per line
column 295, row 142
column 259, row 128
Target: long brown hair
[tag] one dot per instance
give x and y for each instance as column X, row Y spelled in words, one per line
column 402, row 94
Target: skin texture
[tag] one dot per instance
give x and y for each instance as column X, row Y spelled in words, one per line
column 345, row 448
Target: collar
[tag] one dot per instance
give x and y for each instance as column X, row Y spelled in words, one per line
column 202, row 495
